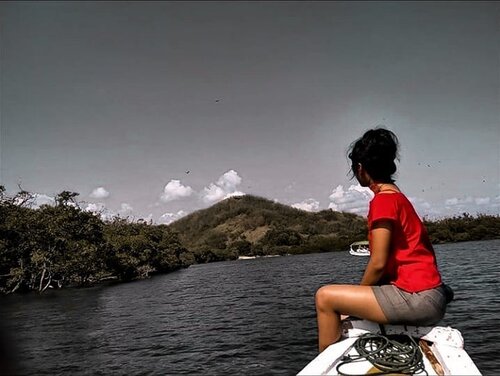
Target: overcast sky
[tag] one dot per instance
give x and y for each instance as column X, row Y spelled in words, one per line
column 156, row 109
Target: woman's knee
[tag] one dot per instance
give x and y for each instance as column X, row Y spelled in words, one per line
column 324, row 298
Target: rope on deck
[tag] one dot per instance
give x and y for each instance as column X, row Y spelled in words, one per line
column 388, row 353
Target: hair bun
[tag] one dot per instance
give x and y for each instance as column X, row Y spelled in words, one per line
column 376, row 150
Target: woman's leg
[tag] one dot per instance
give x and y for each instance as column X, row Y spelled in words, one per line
column 334, row 300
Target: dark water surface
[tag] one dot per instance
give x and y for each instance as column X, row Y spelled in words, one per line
column 252, row 317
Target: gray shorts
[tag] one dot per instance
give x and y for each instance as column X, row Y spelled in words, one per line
column 424, row 308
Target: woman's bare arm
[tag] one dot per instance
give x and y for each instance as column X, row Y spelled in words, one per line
column 381, row 232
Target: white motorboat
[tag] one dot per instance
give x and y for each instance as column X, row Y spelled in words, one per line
column 360, row 248
column 435, row 351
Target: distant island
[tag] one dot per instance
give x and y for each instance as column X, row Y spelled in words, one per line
column 61, row 245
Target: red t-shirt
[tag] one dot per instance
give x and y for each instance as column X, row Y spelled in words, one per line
column 412, row 263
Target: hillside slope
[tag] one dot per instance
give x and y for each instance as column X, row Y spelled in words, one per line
column 250, row 225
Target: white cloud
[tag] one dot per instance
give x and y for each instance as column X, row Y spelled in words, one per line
column 458, row 201
column 168, row 218
column 99, row 209
column 34, row 200
column 99, row 193
column 174, row 190
column 451, row 201
column 125, row 209
column 353, row 200
column 225, row 187
column 41, row 199
column 229, row 180
column 310, row 205
column 146, row 219
column 471, row 205
column 424, row 208
column 95, row 207
column 420, row 203
column 482, row 200
column 213, row 193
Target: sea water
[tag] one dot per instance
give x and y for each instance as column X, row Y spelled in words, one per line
column 251, row 317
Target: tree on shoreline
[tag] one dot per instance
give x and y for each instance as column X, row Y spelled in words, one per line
column 53, row 246
column 61, row 245
column 464, row 227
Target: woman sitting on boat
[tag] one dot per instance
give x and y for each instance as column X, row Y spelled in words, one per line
column 401, row 283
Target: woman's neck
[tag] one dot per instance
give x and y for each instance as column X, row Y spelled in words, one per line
column 377, row 187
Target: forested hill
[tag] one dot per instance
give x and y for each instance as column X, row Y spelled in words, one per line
column 249, row 225
column 255, row 226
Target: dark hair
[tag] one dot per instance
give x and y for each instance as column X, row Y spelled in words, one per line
column 376, row 150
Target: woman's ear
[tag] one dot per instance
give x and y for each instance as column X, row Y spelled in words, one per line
column 363, row 177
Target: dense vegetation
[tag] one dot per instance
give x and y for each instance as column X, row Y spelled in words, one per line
column 62, row 245
column 463, row 227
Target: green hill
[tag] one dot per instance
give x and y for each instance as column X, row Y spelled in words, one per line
column 254, row 226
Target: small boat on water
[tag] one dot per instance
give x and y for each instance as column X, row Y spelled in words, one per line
column 254, row 257
column 247, row 257
column 360, row 248
column 369, row 348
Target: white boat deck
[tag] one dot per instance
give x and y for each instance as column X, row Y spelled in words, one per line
column 447, row 347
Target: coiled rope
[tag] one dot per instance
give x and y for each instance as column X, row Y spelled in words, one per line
column 390, row 354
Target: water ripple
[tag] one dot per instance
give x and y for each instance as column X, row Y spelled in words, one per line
column 254, row 317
